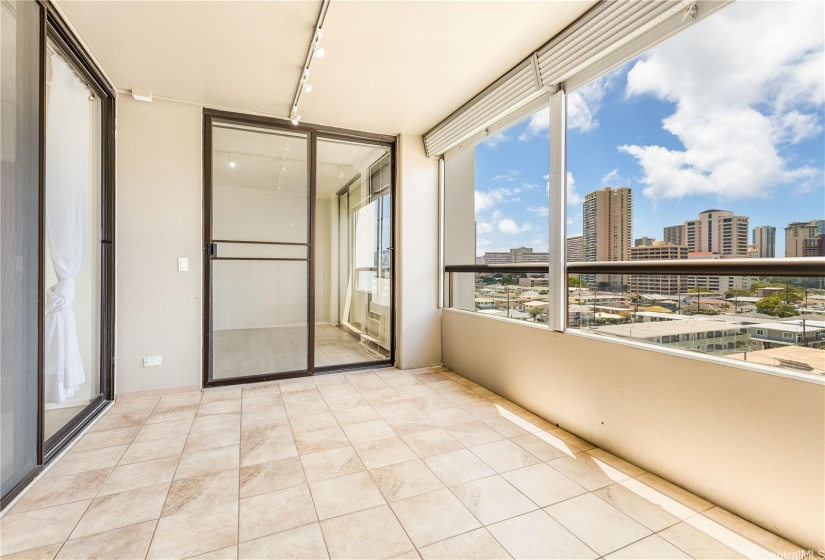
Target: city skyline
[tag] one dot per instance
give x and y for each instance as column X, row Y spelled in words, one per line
column 766, row 162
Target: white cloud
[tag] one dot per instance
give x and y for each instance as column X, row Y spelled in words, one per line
column 510, row 176
column 540, row 211
column 539, row 124
column 739, row 102
column 510, row 227
column 573, row 197
column 539, row 244
column 493, row 141
column 613, row 179
column 585, row 102
column 483, row 227
column 486, row 200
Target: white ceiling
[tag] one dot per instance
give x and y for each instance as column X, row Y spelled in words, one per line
column 390, row 66
column 274, row 161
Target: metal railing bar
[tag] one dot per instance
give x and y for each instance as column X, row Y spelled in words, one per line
column 813, row 266
column 260, row 242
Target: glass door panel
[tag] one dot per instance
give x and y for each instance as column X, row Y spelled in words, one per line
column 353, row 254
column 259, row 252
column 19, row 176
column 73, row 240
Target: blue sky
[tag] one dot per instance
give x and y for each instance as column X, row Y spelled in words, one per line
column 709, row 119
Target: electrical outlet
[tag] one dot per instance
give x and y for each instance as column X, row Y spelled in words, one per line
column 152, row 361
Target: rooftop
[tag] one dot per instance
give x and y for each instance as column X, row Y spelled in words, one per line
column 667, row 328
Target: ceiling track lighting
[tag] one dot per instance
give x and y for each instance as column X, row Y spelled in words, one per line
column 315, row 51
column 232, row 160
column 305, row 82
column 341, row 172
column 283, row 166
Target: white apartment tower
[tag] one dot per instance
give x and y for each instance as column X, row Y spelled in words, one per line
column 719, row 232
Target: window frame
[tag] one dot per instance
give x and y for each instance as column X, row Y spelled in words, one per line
column 558, row 269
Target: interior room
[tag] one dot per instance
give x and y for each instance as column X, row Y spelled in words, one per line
column 391, row 279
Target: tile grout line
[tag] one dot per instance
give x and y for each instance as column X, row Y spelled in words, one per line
column 306, row 480
column 351, row 445
column 157, row 521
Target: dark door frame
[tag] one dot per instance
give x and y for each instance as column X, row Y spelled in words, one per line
column 58, row 32
column 313, row 134
column 55, row 29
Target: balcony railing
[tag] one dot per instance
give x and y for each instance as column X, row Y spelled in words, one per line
column 679, row 304
column 682, row 267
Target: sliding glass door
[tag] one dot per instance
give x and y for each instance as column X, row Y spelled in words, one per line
column 73, row 232
column 298, row 239
column 19, row 179
column 354, row 252
column 258, row 251
column 56, row 240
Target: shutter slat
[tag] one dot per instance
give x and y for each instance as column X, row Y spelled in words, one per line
column 607, row 27
column 509, row 91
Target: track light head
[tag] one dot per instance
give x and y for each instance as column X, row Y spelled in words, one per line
column 306, row 85
column 319, row 50
column 232, row 160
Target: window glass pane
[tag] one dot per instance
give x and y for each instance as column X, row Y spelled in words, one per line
column 708, row 146
column 353, row 260
column 19, row 128
column 260, row 205
column 496, row 212
column 72, row 265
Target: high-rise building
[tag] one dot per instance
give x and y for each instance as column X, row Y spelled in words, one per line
column 644, row 242
column 764, row 239
column 663, row 284
column 573, row 248
column 814, row 246
column 607, row 230
column 796, row 234
column 674, row 235
column 717, row 232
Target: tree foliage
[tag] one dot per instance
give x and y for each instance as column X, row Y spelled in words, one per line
column 776, row 306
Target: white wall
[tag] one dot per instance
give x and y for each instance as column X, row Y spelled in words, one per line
column 750, row 442
column 259, row 294
column 159, row 209
column 159, row 218
column 418, row 315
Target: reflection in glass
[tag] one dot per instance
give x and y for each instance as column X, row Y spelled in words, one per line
column 72, row 266
column 353, row 267
column 19, row 126
column 260, row 209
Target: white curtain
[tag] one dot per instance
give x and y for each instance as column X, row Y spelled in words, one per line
column 67, row 192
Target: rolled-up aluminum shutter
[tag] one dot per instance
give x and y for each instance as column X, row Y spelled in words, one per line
column 606, row 28
column 507, row 94
column 601, row 31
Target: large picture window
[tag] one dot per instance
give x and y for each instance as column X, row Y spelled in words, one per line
column 497, row 208
column 678, row 156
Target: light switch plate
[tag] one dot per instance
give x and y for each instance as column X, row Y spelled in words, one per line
column 183, row 264
column 152, row 361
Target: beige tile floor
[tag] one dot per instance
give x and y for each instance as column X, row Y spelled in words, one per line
column 376, row 464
